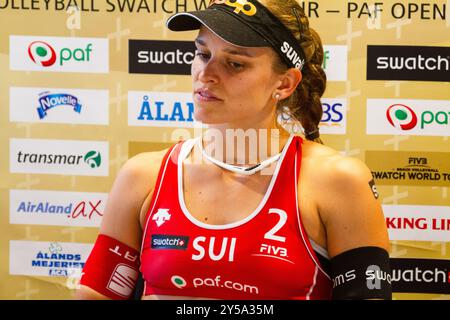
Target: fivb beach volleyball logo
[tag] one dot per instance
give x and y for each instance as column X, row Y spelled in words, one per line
column 42, row 53
column 401, row 117
column 243, row 6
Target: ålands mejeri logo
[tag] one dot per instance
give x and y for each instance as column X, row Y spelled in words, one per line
column 401, row 117
column 42, row 53
column 93, row 159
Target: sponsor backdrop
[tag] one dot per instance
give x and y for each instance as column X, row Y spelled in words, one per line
column 84, row 85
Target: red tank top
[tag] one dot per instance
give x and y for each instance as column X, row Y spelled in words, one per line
column 267, row 255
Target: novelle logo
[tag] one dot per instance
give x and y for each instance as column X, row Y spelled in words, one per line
column 401, row 116
column 161, row 57
column 408, row 63
column 58, row 105
column 48, row 101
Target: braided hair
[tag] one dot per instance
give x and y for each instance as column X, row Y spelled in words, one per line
column 304, row 104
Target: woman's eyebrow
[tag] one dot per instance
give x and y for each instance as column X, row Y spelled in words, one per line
column 232, row 51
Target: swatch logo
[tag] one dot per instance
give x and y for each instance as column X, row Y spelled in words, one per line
column 401, row 117
column 160, row 57
column 410, row 63
column 42, row 53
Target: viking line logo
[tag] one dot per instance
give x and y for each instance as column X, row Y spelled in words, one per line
column 42, row 53
column 401, row 117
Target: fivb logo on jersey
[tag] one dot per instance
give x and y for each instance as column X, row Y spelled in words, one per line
column 59, row 54
column 71, row 157
column 51, row 105
column 161, row 109
column 408, row 117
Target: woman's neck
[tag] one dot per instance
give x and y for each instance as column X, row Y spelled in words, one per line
column 243, row 146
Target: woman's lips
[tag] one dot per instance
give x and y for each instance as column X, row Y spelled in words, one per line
column 205, row 95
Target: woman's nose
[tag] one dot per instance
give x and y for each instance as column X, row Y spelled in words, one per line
column 208, row 72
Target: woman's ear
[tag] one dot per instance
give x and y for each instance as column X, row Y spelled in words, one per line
column 289, row 82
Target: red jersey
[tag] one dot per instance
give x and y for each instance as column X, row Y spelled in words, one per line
column 267, row 255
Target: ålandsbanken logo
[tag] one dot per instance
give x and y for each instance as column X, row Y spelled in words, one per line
column 401, row 116
column 42, row 53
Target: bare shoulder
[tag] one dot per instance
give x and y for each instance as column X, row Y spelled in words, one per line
column 334, row 168
column 133, row 185
column 350, row 211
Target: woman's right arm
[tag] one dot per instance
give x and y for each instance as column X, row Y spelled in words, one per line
column 121, row 219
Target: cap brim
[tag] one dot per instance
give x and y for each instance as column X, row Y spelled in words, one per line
column 220, row 23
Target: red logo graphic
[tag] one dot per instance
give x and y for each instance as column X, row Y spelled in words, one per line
column 401, row 117
column 42, row 53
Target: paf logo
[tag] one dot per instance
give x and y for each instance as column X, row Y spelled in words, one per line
column 408, row 117
column 401, row 116
column 59, row 54
column 42, row 53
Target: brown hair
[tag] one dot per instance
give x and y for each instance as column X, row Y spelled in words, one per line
column 304, row 104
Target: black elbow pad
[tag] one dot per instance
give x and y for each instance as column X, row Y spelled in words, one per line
column 362, row 273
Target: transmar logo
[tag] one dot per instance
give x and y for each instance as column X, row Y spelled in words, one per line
column 401, row 117
column 42, row 53
column 93, row 159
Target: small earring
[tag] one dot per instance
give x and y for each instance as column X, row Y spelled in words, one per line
column 277, row 96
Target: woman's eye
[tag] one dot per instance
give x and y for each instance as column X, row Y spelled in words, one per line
column 202, row 55
column 236, row 65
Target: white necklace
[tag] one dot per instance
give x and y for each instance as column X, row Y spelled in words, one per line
column 237, row 169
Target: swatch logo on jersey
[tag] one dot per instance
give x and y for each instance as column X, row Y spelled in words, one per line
column 161, row 241
column 59, row 54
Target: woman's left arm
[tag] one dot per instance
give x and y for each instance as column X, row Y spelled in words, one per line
column 357, row 237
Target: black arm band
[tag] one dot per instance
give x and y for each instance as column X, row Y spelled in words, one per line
column 361, row 273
